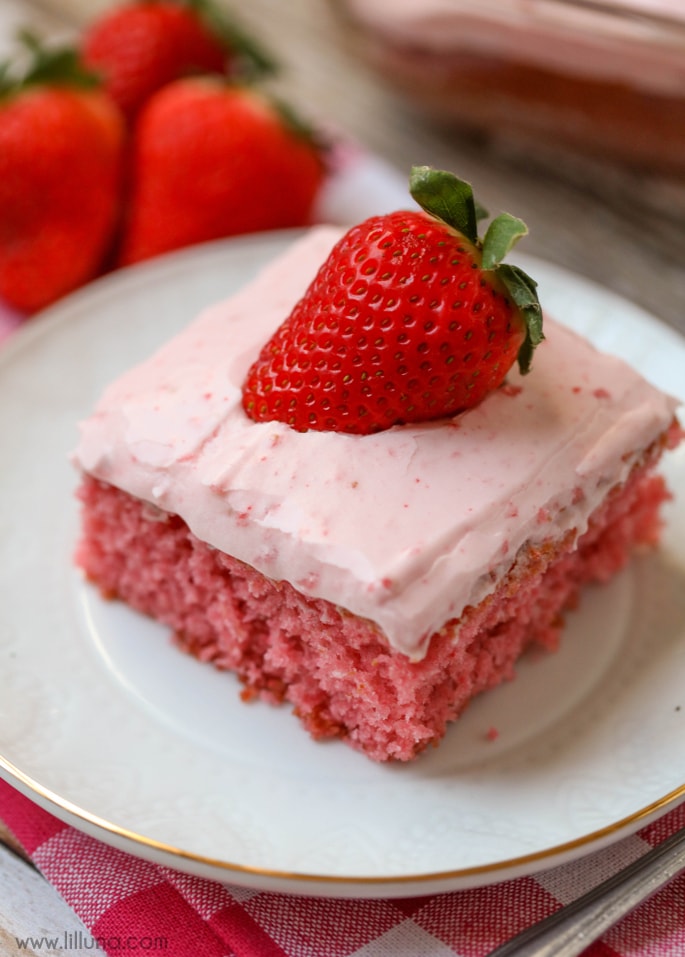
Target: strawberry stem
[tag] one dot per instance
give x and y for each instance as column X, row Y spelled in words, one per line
column 450, row 199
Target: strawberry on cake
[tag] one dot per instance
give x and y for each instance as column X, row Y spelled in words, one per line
column 354, row 485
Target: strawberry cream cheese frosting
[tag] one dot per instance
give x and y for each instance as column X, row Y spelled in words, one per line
column 404, row 527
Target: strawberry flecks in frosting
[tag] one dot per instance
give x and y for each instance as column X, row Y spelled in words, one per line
column 345, row 512
column 308, row 584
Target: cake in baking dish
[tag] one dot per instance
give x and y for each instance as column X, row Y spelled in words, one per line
column 549, row 78
column 377, row 581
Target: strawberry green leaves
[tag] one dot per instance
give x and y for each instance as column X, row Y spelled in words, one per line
column 255, row 61
column 451, row 200
column 523, row 291
column 52, row 66
column 447, row 198
column 500, row 237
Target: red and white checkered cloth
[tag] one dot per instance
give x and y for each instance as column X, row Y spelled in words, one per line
column 130, row 904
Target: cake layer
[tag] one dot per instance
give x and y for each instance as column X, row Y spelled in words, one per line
column 405, row 528
column 335, row 669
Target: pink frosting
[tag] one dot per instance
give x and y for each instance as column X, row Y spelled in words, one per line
column 405, row 527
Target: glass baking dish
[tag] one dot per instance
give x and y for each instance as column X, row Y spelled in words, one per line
column 606, row 77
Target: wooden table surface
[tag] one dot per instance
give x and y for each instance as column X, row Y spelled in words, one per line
column 621, row 228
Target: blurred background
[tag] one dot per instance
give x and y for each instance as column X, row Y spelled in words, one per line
column 592, row 165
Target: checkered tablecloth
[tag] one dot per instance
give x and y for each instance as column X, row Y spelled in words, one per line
column 128, row 904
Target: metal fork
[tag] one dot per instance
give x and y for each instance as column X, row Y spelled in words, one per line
column 568, row 931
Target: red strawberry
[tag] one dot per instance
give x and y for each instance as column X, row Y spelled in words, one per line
column 143, row 45
column 213, row 160
column 61, row 146
column 410, row 318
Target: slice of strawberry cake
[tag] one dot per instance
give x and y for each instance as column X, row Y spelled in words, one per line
column 338, row 485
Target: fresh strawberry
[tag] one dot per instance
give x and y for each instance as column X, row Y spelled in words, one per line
column 61, row 147
column 141, row 46
column 410, row 318
column 213, row 160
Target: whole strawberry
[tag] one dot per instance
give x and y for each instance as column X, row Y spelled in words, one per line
column 411, row 318
column 213, row 160
column 141, row 46
column 61, row 146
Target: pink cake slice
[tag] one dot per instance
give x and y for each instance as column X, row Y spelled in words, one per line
column 380, row 582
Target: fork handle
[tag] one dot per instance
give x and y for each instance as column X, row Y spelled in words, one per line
column 568, row 931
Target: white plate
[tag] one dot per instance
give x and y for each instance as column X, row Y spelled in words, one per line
column 106, row 724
